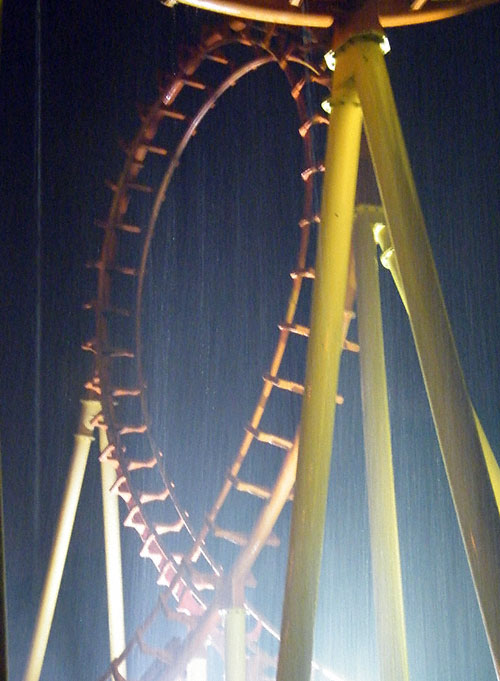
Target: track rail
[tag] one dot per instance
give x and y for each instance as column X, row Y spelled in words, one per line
column 193, row 585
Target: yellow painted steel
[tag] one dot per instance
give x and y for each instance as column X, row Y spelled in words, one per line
column 489, row 457
column 388, row 255
column 384, row 541
column 83, row 440
column 469, row 481
column 235, row 644
column 318, row 409
column 389, row 260
column 113, row 554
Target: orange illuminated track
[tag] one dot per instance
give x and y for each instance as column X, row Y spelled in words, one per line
column 193, row 585
column 324, row 13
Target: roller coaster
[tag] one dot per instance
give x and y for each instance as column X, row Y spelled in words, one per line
column 204, row 600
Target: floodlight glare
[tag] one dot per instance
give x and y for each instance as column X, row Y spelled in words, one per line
column 197, row 669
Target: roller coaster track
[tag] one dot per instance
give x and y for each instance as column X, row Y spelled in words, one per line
column 194, row 586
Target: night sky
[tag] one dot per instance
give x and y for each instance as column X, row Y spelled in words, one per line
column 219, row 269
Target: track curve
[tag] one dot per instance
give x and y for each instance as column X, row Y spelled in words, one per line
column 193, row 584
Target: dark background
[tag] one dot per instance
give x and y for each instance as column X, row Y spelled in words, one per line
column 237, row 230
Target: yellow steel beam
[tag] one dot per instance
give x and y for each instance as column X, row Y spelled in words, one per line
column 83, row 440
column 489, row 457
column 389, row 260
column 318, row 407
column 467, row 473
column 235, row 644
column 386, row 567
column 113, row 554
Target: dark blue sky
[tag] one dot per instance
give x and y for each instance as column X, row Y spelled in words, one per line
column 233, row 219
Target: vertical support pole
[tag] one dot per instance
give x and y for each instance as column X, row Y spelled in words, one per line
column 235, row 644
column 83, row 440
column 468, row 478
column 112, row 548
column 386, row 568
column 318, row 407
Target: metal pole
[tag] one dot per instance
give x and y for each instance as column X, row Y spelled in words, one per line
column 112, row 549
column 489, row 457
column 235, row 644
column 468, row 478
column 318, row 408
column 389, row 260
column 83, row 440
column 386, row 567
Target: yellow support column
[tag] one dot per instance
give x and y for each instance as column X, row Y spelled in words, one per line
column 451, row 409
column 318, row 409
column 235, row 644
column 83, row 440
column 489, row 457
column 389, row 260
column 112, row 548
column 386, row 567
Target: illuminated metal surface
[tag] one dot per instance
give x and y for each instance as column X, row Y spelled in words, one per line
column 389, row 260
column 83, row 440
column 453, row 417
column 384, row 541
column 113, row 555
column 235, row 644
column 318, row 407
column 323, row 14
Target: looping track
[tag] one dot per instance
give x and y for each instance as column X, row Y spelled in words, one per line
column 193, row 584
